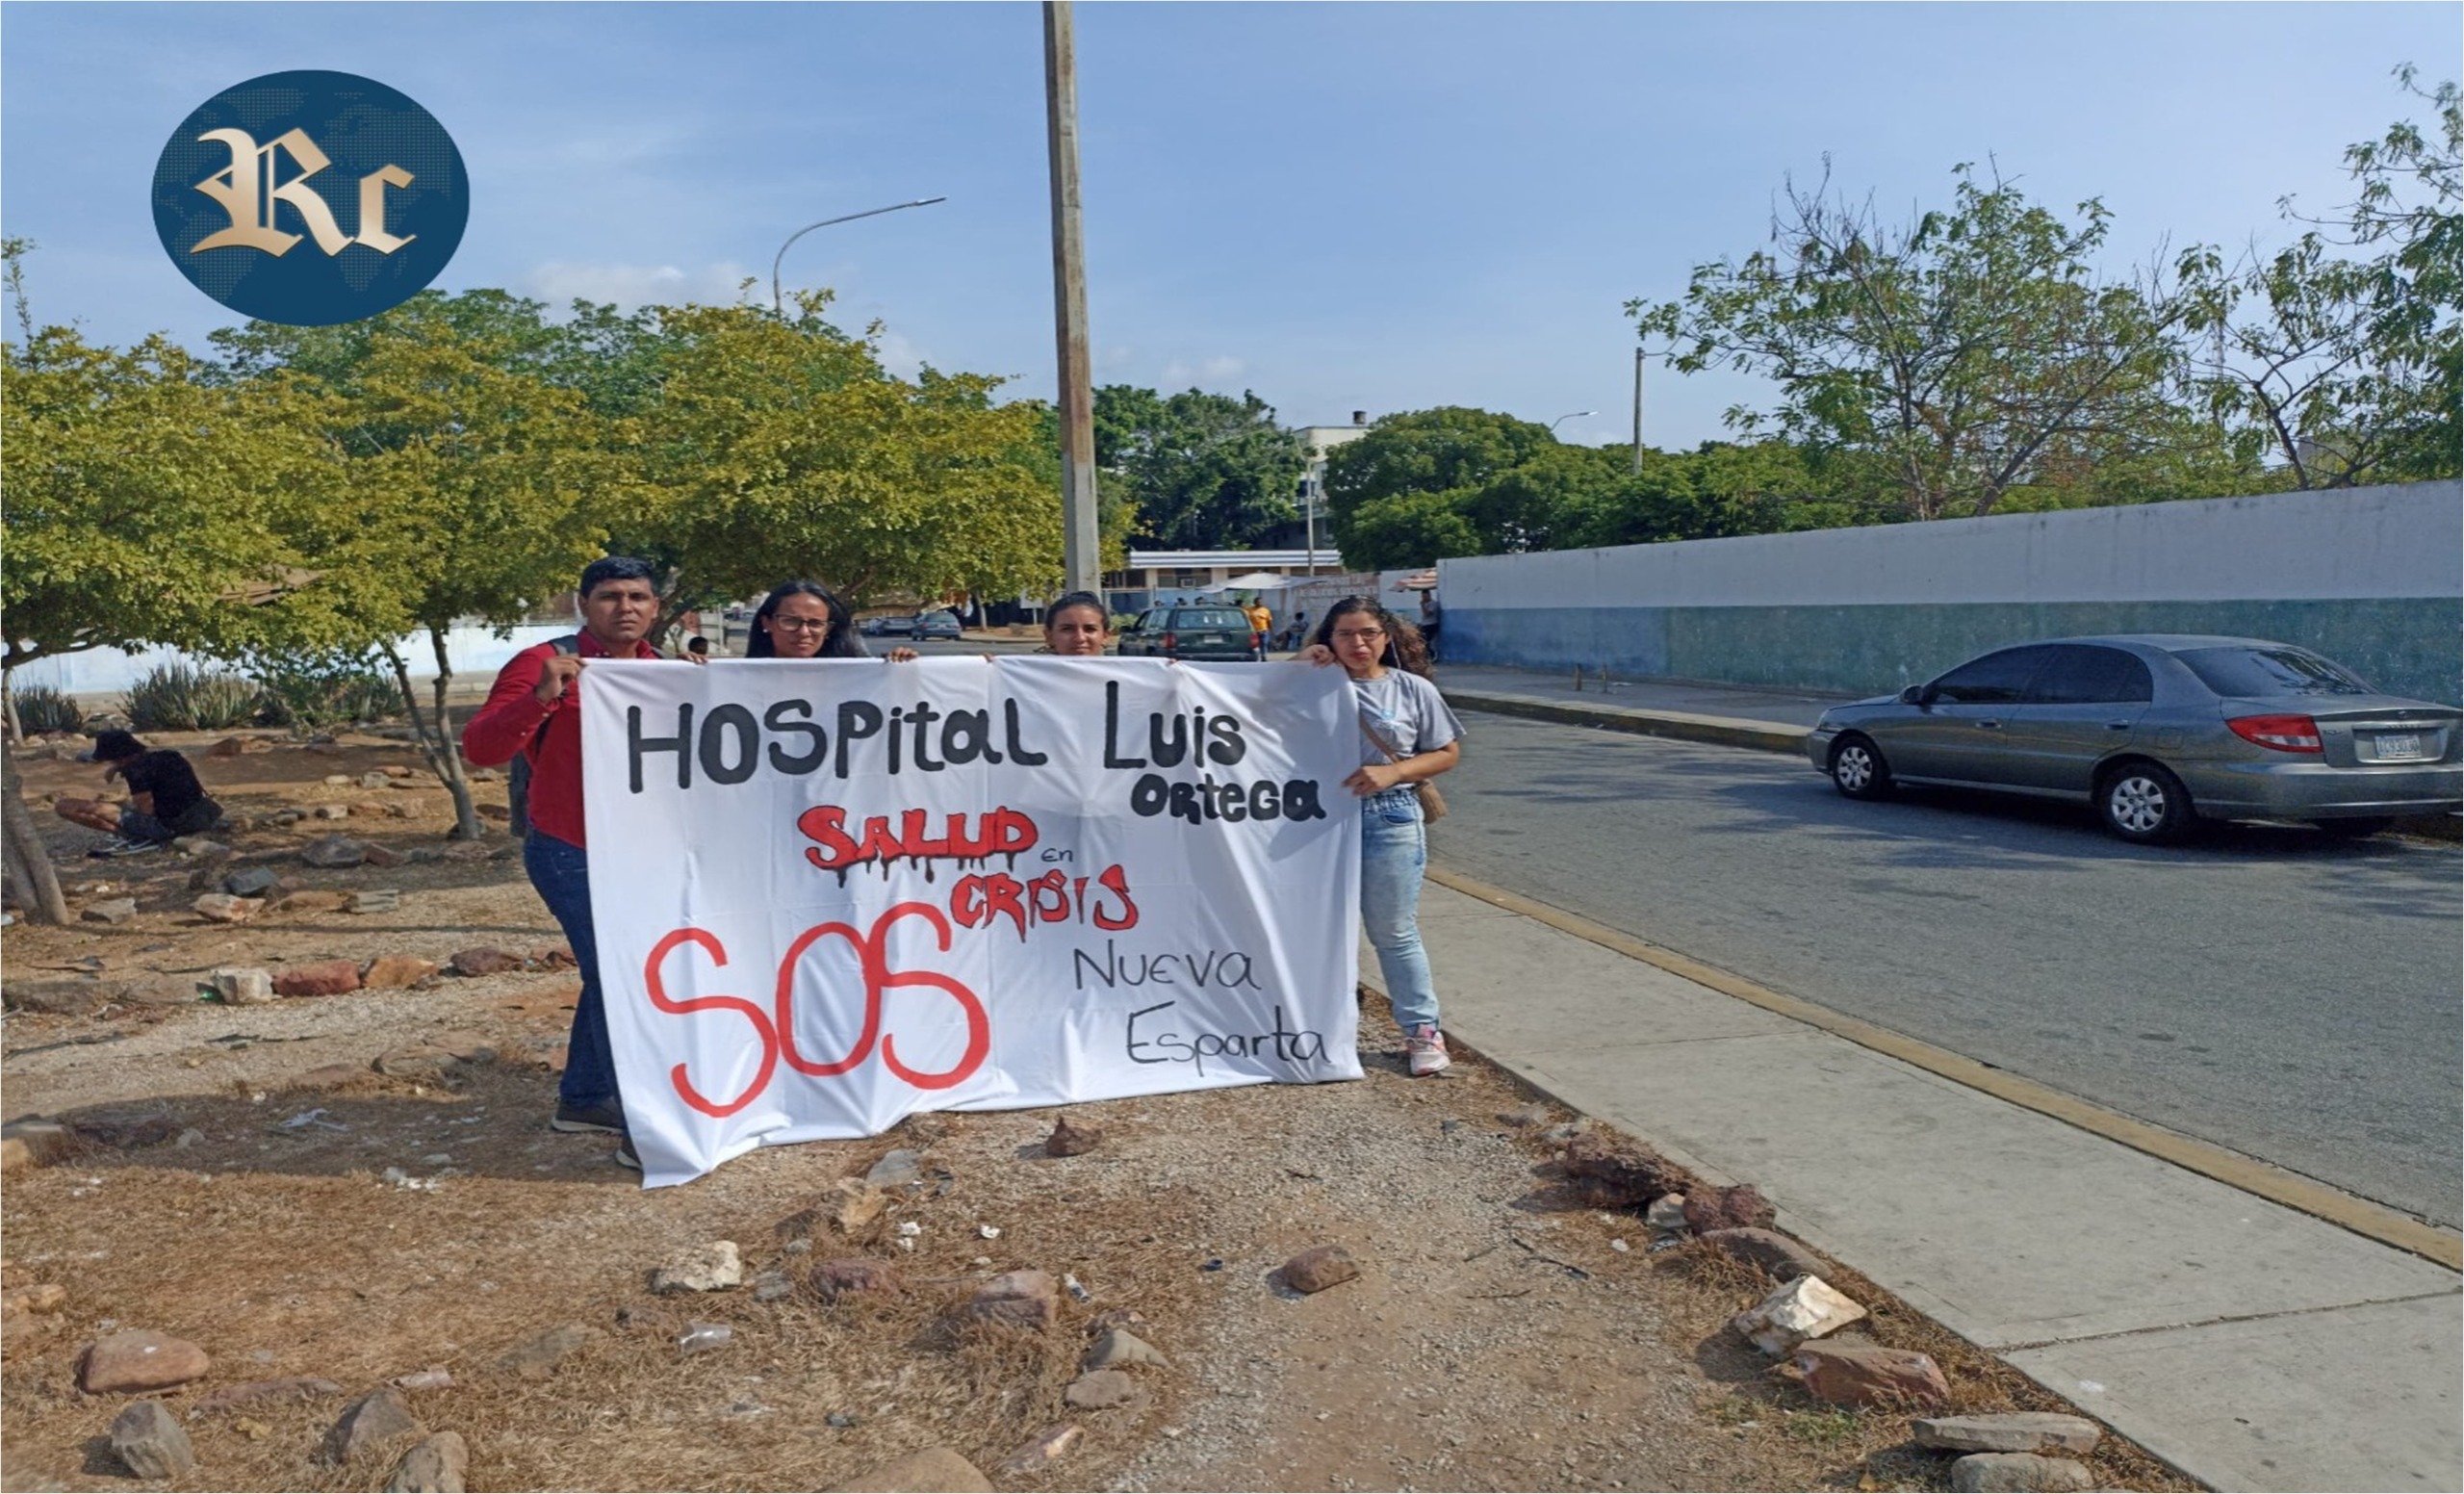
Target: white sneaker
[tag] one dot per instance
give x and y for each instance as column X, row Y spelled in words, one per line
column 1427, row 1048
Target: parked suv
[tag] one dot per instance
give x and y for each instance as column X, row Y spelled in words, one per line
column 1190, row 632
column 938, row 625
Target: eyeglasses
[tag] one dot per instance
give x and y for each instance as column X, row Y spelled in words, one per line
column 799, row 625
column 1364, row 635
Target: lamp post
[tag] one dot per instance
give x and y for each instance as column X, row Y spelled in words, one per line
column 1563, row 419
column 778, row 304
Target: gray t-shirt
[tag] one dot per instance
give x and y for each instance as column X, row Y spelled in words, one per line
column 1407, row 712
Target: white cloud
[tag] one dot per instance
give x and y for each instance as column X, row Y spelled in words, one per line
column 627, row 286
column 1222, row 370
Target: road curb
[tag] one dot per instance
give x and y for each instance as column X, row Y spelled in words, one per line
column 1685, row 726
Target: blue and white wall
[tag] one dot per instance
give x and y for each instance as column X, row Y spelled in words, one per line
column 2373, row 578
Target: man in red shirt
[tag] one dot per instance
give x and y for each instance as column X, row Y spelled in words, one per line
column 534, row 709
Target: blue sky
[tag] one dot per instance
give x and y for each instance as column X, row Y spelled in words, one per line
column 1378, row 207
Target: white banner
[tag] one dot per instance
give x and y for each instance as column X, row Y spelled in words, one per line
column 831, row 894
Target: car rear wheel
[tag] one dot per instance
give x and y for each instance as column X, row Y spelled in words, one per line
column 2142, row 803
column 1858, row 769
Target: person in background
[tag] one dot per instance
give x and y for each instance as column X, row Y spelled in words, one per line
column 1078, row 625
column 534, row 710
column 806, row 620
column 1408, row 735
column 1433, row 616
column 1261, row 623
column 699, row 647
column 164, row 799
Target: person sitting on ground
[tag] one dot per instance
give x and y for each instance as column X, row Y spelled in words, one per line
column 165, row 800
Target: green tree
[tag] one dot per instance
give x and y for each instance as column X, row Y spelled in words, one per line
column 779, row 447
column 1974, row 351
column 1204, row 471
column 1450, row 454
column 2344, row 369
column 478, row 487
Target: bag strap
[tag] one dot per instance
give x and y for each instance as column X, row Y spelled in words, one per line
column 1374, row 739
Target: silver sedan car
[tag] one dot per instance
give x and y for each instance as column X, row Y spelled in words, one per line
column 2158, row 731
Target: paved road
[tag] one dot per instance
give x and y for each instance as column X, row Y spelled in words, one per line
column 2269, row 989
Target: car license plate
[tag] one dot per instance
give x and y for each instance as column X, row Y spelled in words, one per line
column 2399, row 748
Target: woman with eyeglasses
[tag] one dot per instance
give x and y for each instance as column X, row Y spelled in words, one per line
column 804, row 620
column 1407, row 735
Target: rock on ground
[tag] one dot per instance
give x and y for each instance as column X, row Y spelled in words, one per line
column 1045, row 1448
column 241, row 985
column 712, row 1268
column 1120, row 1347
column 116, row 910
column 1023, row 1299
column 317, row 978
column 2018, row 1473
column 483, row 962
column 2011, row 1432
column 1807, row 1307
column 1776, row 1253
column 437, row 1465
column 1622, row 1171
column 1069, row 1140
column 937, row 1470
column 134, row 1359
column 374, row 1419
column 333, row 851
column 1869, row 1375
column 833, row 1279
column 1742, row 1207
column 1319, row 1268
column 148, row 1438
column 537, row 1357
column 394, row 972
column 1097, row 1389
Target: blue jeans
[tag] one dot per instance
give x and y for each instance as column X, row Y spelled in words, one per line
column 562, row 872
column 1394, row 851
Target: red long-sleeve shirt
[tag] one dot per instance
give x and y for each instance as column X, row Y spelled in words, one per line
column 511, row 719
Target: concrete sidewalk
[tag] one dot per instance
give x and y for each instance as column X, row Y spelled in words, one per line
column 1730, row 715
column 2250, row 1345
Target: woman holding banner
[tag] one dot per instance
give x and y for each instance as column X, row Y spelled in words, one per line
column 805, row 620
column 1078, row 625
column 1408, row 737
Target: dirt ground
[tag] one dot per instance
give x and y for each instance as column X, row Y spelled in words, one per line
column 360, row 1228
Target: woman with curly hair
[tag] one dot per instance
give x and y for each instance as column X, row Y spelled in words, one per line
column 1408, row 735
column 805, row 620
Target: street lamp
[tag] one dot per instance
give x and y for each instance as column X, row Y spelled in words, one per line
column 778, row 305
column 1563, row 419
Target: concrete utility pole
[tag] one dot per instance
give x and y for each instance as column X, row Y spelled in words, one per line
column 1081, row 551
column 1638, row 412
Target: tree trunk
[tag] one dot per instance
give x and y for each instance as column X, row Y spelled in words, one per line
column 436, row 744
column 466, row 814
column 9, row 699
column 28, row 860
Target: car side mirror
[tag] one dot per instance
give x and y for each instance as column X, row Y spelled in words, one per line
column 1917, row 695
